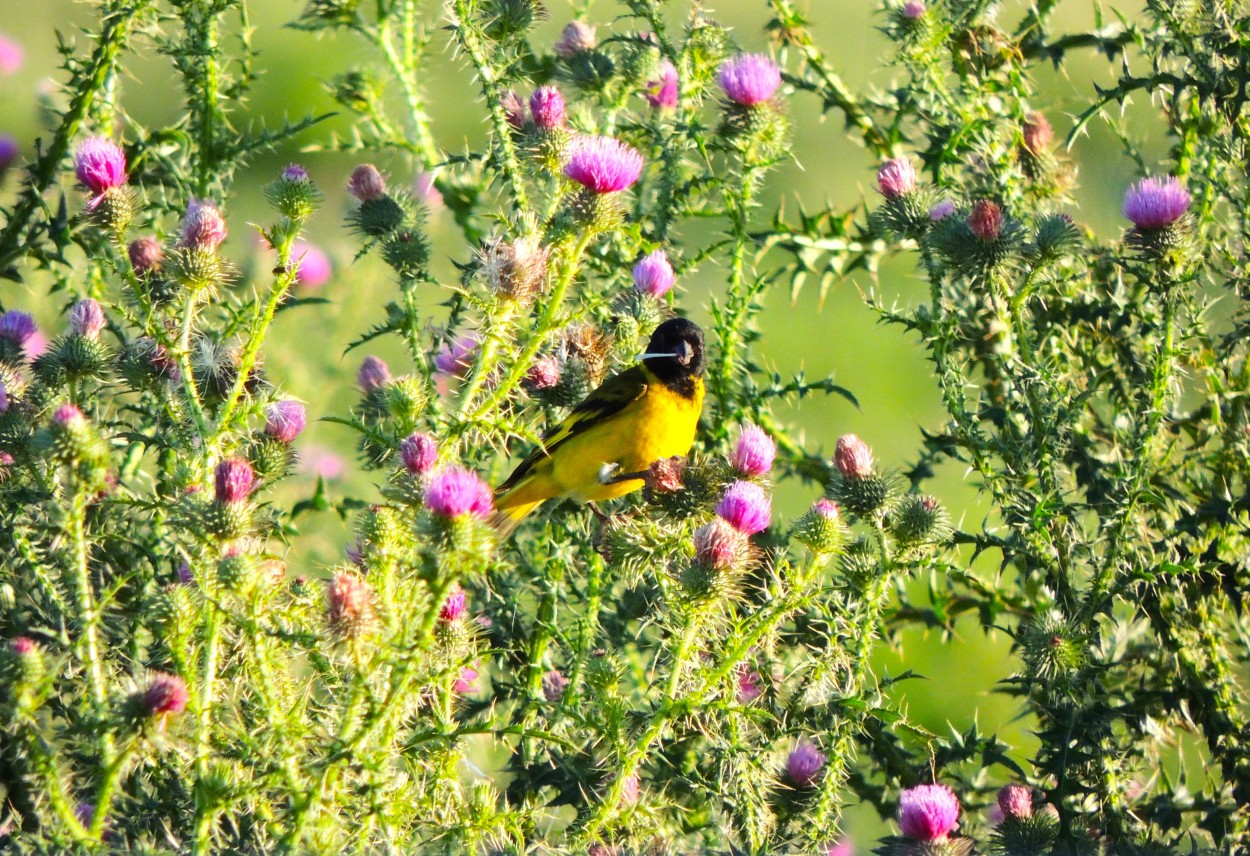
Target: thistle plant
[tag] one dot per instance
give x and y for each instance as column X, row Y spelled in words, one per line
column 686, row 669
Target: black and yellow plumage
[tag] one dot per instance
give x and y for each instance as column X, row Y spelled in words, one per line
column 635, row 418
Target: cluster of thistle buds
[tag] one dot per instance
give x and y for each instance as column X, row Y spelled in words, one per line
column 541, row 125
column 390, row 410
column 392, row 220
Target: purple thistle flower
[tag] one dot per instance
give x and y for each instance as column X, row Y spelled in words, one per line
column 285, row 420
column 22, row 645
column 1015, row 801
column 312, row 265
column 513, row 108
column 602, row 164
column 467, row 682
column 11, row 55
column 753, row 456
column 4, row 397
column 9, row 151
column 804, row 763
column 840, row 848
column 455, row 358
column 554, row 683
column 577, row 37
column 928, row 812
column 662, row 92
column 544, row 374
column 749, row 79
column 913, row 10
column 366, row 183
column 84, row 812
column 852, row 457
column 746, row 507
column 750, row 685
column 896, row 177
column 717, row 544
column 86, row 318
column 827, row 509
column 631, row 790
column 294, row 172
column 16, row 327
column 145, row 254
column 100, row 165
column 372, row 374
column 233, row 481
column 166, row 694
column 1156, row 203
column 419, row 453
column 455, row 607
column 203, row 227
column 455, row 492
column 355, row 553
column 653, row 274
column 186, row 576
column 941, row 210
column 68, row 416
column 547, row 107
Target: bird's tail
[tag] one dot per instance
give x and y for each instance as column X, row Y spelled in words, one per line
column 508, row 517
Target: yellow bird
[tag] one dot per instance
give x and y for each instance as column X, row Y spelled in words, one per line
column 604, row 447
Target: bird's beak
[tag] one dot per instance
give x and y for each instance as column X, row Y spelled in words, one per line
column 651, row 356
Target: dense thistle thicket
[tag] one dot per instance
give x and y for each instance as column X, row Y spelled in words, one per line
column 690, row 673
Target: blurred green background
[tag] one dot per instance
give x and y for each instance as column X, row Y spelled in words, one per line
column 886, row 369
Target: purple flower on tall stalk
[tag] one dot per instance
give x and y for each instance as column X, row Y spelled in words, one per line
column 547, row 108
column 165, row 695
column 653, row 274
column 454, row 358
column 373, row 373
column 8, row 152
column 754, row 453
column 285, row 420
column 366, row 183
column 16, row 327
column 662, row 92
column 577, row 37
column 419, row 453
column 233, row 481
column 928, row 812
column 86, row 318
column 100, row 165
column 896, row 177
column 203, row 227
column 804, row 763
column 11, row 55
column 602, row 164
column 312, row 265
column 749, row 79
column 456, row 492
column 1156, row 203
column 746, row 507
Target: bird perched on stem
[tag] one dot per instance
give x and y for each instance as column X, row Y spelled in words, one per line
column 605, row 446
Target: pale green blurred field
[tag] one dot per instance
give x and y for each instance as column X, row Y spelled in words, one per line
column 886, row 369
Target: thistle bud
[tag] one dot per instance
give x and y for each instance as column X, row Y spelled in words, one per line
column 366, row 183
column 804, row 763
column 857, row 487
column 754, row 453
column 896, row 177
column 746, row 507
column 285, row 420
column 513, row 109
column 1015, row 801
column 233, row 481
column 666, row 475
column 373, row 373
column 145, row 255
column 467, row 681
column 1056, row 236
column 1036, row 133
column 349, row 605
column 100, row 165
column 547, row 108
column 577, row 37
column 986, row 220
column 419, row 453
column 653, row 275
column 928, row 812
column 913, row 10
column 918, row 519
column 203, row 227
column 853, row 458
column 662, row 93
column 293, row 193
column 86, row 319
column 165, row 695
column 750, row 684
column 821, row 529
column 718, row 545
column 543, row 374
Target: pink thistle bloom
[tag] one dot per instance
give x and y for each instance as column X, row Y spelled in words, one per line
column 285, row 420
column 840, row 848
column 36, row 345
column 941, row 210
column 233, row 481
column 750, row 685
column 455, row 607
column 928, row 812
column 749, row 79
column 11, row 55
column 853, row 458
column 323, row 463
column 602, row 164
column 203, row 227
column 653, row 274
column 547, row 108
column 662, row 92
column 1156, row 203
column 746, row 507
column 294, row 172
column 631, row 790
column 68, row 416
column 986, row 220
column 455, row 492
column 544, row 374
column 100, row 165
column 86, row 318
column 455, row 358
column 425, row 190
column 467, row 682
column 717, row 544
column 1015, row 801
column 372, row 374
column 896, row 177
column 9, row 151
column 22, row 646
column 554, row 683
column 419, row 453
column 313, row 268
column 366, row 183
column 577, row 37
column 913, row 10
column 166, row 694
column 16, row 327
column 827, row 509
column 145, row 254
column 754, row 454
column 804, row 763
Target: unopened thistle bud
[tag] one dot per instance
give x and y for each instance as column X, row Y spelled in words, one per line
column 1036, row 133
column 718, row 545
column 986, row 220
column 366, row 183
column 203, row 227
column 419, row 453
column 294, row 194
column 577, row 37
column 662, row 92
column 804, row 763
column 455, row 492
column 822, row 529
column 746, row 507
column 918, row 519
column 547, row 108
column 236, row 570
column 165, row 695
column 373, row 374
column 285, row 420
column 86, row 319
column 754, row 453
column 928, row 812
column 349, row 605
column 1056, row 236
column 233, row 481
column 145, row 255
column 653, row 275
column 1015, row 801
column 853, row 458
column 749, row 80
column 896, row 177
column 857, row 487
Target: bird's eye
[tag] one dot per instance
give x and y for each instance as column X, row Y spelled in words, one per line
column 684, row 353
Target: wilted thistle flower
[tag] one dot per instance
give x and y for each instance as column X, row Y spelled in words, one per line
column 986, row 220
column 754, row 453
column 203, row 227
column 455, row 492
column 941, row 210
column 666, row 475
column 515, row 270
column 746, row 507
column 853, row 458
column 1036, row 133
column 653, row 275
column 804, row 763
column 1015, row 801
column 896, row 177
column 455, row 606
column 166, row 694
column 373, row 373
column 749, row 79
column 543, row 374
column 349, row 605
column 145, row 255
column 662, row 92
column 454, row 358
column 233, row 481
column 547, row 108
column 366, row 183
column 100, row 165
column 285, row 420
column 602, row 164
column 419, row 453
column 1154, row 204
column 928, row 812
column 718, row 545
column 577, row 37
column 86, row 319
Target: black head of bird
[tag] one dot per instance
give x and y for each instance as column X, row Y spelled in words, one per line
column 675, row 353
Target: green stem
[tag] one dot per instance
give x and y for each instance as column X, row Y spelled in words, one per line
column 86, row 608
column 204, row 811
